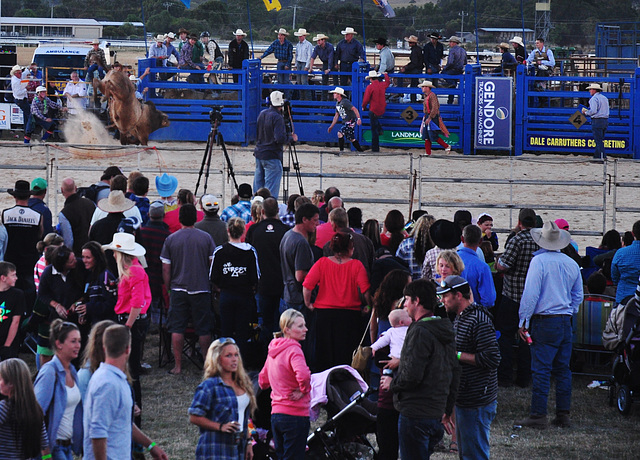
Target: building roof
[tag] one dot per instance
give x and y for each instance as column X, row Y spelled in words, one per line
column 120, row 23
column 504, row 29
column 50, row 21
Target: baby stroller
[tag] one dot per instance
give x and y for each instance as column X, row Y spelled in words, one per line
column 625, row 383
column 350, row 416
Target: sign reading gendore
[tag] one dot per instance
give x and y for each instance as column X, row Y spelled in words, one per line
column 493, row 113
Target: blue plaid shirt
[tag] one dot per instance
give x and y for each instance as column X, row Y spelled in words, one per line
column 241, row 209
column 282, row 52
column 289, row 219
column 406, row 252
column 217, row 402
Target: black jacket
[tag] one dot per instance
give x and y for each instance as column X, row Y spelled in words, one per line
column 426, row 384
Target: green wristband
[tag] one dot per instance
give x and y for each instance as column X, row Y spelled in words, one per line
column 459, row 355
column 46, row 457
column 151, row 446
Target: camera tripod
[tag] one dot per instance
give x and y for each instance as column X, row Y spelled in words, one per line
column 293, row 156
column 215, row 136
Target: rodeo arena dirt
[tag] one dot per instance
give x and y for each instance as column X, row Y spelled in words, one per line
column 592, row 197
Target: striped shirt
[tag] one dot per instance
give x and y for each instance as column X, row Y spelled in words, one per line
column 10, row 440
column 475, row 334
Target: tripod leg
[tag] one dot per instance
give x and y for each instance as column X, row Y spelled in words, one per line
column 293, row 157
column 207, row 152
column 206, row 174
column 230, row 172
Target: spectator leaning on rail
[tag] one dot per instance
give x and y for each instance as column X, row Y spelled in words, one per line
column 304, row 49
column 348, row 51
column 282, row 49
column 326, row 53
column 238, row 52
column 599, row 112
column 433, row 53
column 387, row 61
column 455, row 63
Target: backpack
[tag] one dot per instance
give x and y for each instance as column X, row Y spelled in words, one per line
column 612, row 334
column 92, row 191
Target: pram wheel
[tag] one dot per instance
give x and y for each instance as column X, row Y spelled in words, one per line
column 624, row 400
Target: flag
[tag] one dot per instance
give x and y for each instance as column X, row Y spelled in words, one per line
column 187, row 3
column 271, row 5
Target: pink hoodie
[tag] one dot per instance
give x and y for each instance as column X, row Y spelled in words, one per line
column 286, row 371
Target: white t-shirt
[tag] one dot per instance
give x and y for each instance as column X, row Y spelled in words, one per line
column 243, row 403
column 76, row 104
column 65, row 431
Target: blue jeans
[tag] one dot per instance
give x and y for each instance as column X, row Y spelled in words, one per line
column 599, row 128
column 61, row 452
column 268, row 306
column 302, row 79
column 92, row 68
column 473, row 426
column 376, row 130
column 418, row 437
column 268, row 174
column 26, row 115
column 550, row 356
column 290, row 435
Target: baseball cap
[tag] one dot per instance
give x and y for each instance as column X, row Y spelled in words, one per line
column 451, row 283
column 561, row 223
column 38, row 185
column 210, row 203
column 244, row 191
column 156, row 209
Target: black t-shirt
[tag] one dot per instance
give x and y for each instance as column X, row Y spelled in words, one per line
column 265, row 236
column 11, row 304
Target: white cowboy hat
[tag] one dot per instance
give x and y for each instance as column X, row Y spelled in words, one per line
column 240, row 32
column 301, row 32
column 160, row 38
column 14, row 69
column 125, row 243
column 320, row 37
column 116, row 202
column 551, row 237
column 349, row 30
column 132, row 78
column 171, row 36
column 276, row 98
column 426, row 83
column 338, row 90
column 282, row 31
column 40, row 89
column 411, row 39
column 595, row 86
column 517, row 40
column 372, row 74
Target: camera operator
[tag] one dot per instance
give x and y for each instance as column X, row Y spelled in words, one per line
column 272, row 136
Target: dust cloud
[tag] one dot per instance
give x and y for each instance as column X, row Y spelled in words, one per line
column 86, row 128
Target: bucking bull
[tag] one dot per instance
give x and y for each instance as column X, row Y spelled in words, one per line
column 135, row 120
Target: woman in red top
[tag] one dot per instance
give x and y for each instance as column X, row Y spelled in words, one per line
column 342, row 282
column 393, row 232
column 134, row 298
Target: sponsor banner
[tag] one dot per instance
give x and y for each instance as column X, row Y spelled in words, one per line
column 16, row 115
column 568, row 143
column 493, row 113
column 5, row 110
column 407, row 138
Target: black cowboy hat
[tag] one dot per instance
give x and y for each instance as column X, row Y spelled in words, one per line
column 445, row 234
column 21, row 190
column 435, row 35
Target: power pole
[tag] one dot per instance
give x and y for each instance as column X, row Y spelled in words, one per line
column 462, row 14
column 295, row 7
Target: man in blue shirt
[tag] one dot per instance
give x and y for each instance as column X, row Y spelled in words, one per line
column 552, row 295
column 455, row 63
column 326, row 52
column 541, row 59
column 599, row 113
column 348, row 51
column 282, row 49
column 625, row 267
column 271, row 137
column 108, row 405
column 433, row 54
column 476, row 271
column 242, row 208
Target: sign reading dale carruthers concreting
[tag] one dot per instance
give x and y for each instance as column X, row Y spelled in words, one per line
column 492, row 128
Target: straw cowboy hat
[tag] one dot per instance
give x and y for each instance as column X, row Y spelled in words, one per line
column 95, row 41
column 338, row 90
column 301, row 32
column 14, row 69
column 426, row 83
column 411, row 39
column 125, row 243
column 551, row 237
column 239, row 32
column 504, row 46
column 349, row 30
column 282, row 31
column 320, row 37
column 160, row 38
column 116, row 202
column 595, row 86
column 517, row 40
column 372, row 74
column 455, row 39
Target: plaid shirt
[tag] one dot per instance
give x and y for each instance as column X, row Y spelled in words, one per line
column 40, row 107
column 289, row 219
column 217, row 402
column 406, row 252
column 241, row 209
column 429, row 266
column 282, row 51
column 516, row 258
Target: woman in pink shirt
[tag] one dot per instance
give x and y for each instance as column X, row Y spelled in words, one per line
column 288, row 375
column 134, row 298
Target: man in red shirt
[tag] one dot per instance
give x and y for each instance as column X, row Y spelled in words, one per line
column 374, row 96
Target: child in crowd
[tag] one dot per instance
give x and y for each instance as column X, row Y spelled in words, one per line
column 394, row 337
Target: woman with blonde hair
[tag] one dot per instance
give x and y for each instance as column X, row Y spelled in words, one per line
column 93, row 354
column 449, row 263
column 288, row 375
column 222, row 405
column 413, row 249
column 22, row 430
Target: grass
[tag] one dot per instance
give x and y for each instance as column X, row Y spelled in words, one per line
column 598, row 432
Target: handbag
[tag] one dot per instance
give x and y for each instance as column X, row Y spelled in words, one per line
column 361, row 354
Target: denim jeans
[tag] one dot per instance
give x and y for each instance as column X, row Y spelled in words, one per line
column 92, row 68
column 268, row 306
column 61, row 452
column 550, row 356
column 418, row 437
column 302, row 79
column 473, row 426
column 376, row 130
column 26, row 115
column 290, row 435
column 599, row 128
column 268, row 174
